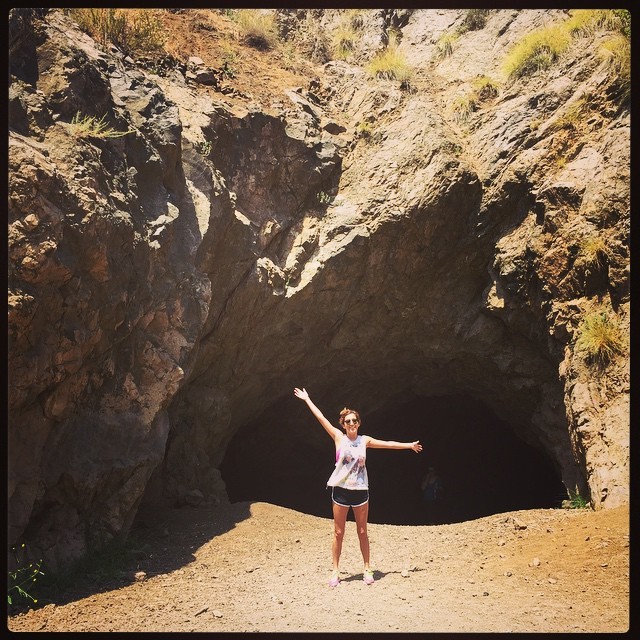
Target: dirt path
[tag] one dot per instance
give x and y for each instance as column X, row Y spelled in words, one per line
column 260, row 567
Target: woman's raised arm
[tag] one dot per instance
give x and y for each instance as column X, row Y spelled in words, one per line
column 392, row 444
column 328, row 427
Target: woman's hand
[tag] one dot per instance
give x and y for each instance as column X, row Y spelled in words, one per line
column 301, row 393
column 416, row 446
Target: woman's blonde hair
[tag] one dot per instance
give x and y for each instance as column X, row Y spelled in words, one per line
column 345, row 412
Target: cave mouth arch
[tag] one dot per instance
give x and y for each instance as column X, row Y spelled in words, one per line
column 285, row 457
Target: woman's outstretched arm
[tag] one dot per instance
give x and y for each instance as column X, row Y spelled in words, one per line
column 328, row 427
column 392, row 444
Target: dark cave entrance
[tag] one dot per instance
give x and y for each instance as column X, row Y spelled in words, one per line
column 285, row 458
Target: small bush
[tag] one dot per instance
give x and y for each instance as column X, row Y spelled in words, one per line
column 575, row 501
column 617, row 52
column 355, row 18
column 541, row 49
column 391, row 64
column 538, row 50
column 593, row 252
column 131, row 30
column 574, row 114
column 485, row 88
column 22, row 576
column 600, row 338
column 258, row 28
column 464, row 106
column 624, row 22
column 346, row 35
column 92, row 127
column 364, row 130
column 445, row 45
column 343, row 42
column 474, row 19
column 589, row 20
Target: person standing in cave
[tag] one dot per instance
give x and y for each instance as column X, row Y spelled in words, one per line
column 349, row 481
column 431, row 489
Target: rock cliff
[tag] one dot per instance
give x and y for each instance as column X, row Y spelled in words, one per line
column 373, row 240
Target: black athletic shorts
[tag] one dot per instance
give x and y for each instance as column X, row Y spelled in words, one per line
column 349, row 497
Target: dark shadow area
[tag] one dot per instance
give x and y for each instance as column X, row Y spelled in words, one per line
column 286, row 457
column 161, row 540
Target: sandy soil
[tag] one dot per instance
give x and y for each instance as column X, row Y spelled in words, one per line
column 265, row 568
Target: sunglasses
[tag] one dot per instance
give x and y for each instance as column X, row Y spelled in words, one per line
column 352, row 421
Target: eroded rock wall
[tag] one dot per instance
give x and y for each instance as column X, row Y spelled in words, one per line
column 167, row 286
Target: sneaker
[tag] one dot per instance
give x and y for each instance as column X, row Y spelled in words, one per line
column 367, row 576
column 335, row 580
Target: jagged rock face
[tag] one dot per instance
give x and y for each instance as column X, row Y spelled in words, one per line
column 164, row 293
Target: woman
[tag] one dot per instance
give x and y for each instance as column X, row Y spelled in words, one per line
column 349, row 481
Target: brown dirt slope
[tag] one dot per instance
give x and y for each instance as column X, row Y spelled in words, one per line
column 261, row 567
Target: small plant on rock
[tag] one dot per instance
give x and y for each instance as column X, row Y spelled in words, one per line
column 617, row 53
column 474, row 19
column 258, row 28
column 391, row 64
column 344, row 41
column 364, row 129
column 600, row 338
column 464, row 106
column 575, row 500
column 132, row 30
column 92, row 127
column 23, row 576
column 445, row 45
column 485, row 88
column 538, row 50
column 593, row 252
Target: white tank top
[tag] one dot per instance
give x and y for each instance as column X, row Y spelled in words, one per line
column 350, row 471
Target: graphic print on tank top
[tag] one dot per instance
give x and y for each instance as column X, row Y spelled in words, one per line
column 350, row 471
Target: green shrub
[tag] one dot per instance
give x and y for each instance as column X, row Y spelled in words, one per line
column 355, row 18
column 574, row 114
column 131, row 30
column 343, row 42
column 617, row 52
column 575, row 501
column 92, row 127
column 258, row 28
column 541, row 49
column 593, row 252
column 22, row 576
column 445, row 45
column 600, row 338
column 364, row 129
column 485, row 88
column 464, row 106
column 391, row 64
column 474, row 19
column 229, row 59
column 589, row 20
column 624, row 22
column 538, row 50
column 345, row 36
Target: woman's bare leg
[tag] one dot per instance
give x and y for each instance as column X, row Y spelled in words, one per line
column 361, row 514
column 339, row 522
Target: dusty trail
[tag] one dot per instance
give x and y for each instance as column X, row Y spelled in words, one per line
column 260, row 567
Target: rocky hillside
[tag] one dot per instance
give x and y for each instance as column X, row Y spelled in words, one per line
column 195, row 231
